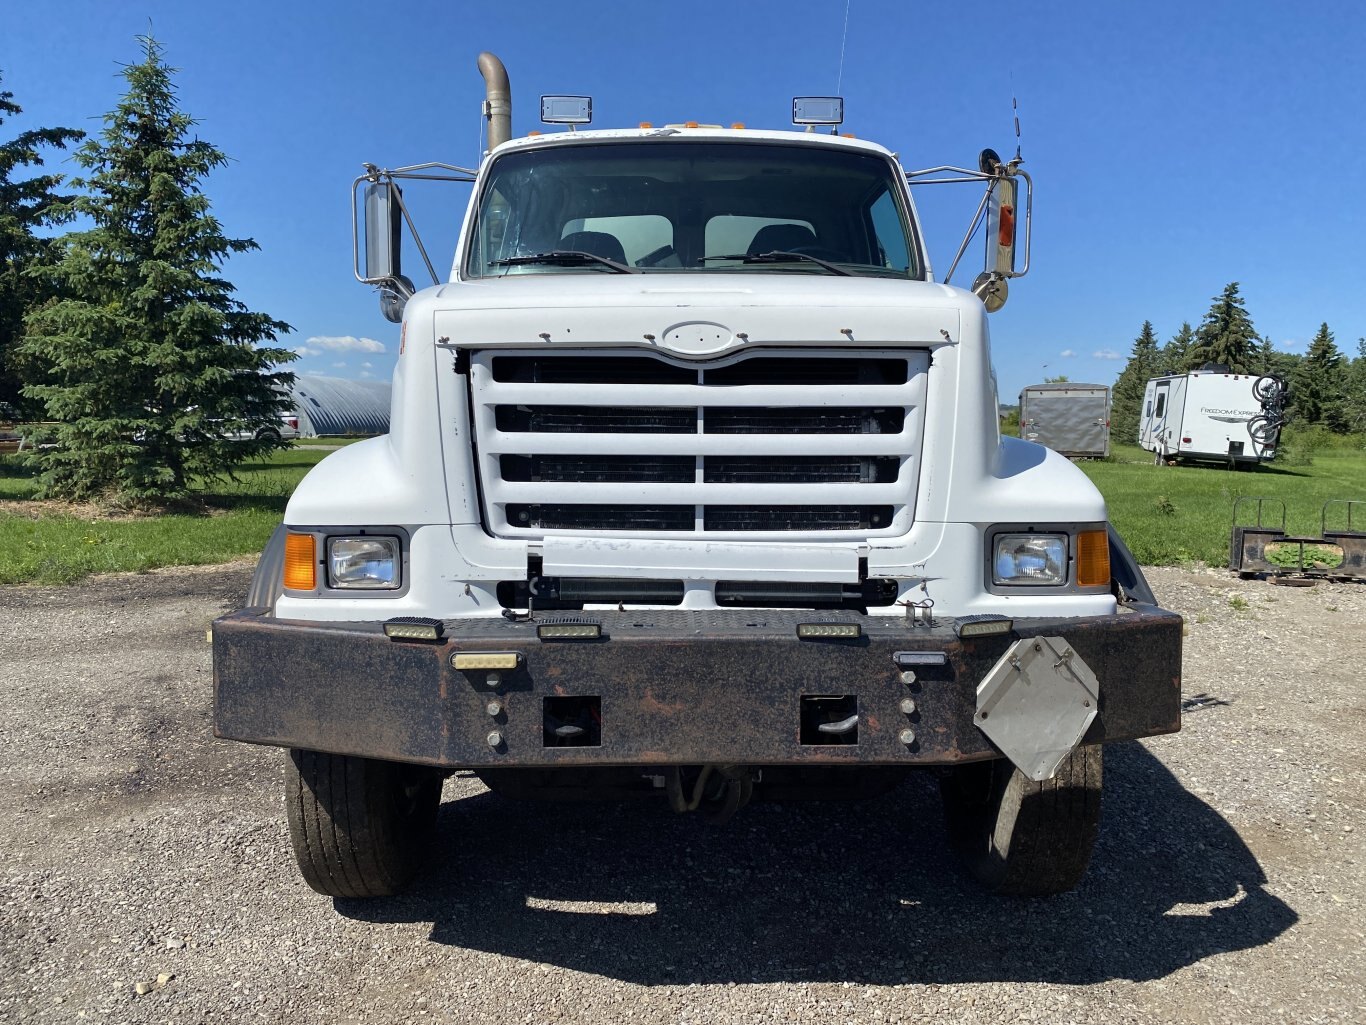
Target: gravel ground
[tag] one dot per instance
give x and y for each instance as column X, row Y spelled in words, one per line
column 141, row 854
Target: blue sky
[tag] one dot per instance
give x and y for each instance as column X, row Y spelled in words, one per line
column 1175, row 146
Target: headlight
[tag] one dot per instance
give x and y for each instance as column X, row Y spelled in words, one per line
column 1038, row 560
column 363, row 563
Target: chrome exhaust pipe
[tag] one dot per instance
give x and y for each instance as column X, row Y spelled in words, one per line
column 497, row 99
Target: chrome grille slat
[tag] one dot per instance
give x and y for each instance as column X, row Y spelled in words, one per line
column 767, row 444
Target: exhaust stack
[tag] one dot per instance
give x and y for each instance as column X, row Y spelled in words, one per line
column 497, row 99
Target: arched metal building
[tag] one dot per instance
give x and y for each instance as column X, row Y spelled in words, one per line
column 333, row 405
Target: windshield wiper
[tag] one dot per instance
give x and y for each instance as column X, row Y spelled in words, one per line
column 567, row 257
column 781, row 256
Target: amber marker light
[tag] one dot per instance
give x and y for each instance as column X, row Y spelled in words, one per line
column 301, row 563
column 1093, row 558
column 1007, row 232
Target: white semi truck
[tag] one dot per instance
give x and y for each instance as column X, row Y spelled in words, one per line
column 694, row 488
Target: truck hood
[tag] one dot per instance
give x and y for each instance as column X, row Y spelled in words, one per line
column 693, row 315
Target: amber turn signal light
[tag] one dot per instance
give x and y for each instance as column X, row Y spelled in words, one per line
column 301, row 562
column 1093, row 558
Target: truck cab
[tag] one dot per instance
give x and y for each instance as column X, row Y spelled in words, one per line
column 694, row 488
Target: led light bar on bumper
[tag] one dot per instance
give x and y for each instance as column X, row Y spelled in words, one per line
column 363, row 563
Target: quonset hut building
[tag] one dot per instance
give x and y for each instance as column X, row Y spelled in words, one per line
column 329, row 406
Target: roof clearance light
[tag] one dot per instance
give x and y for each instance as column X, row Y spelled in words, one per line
column 818, row 110
column 567, row 110
column 738, row 125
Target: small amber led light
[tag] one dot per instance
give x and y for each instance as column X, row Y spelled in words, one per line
column 846, row 135
column 301, row 563
column 689, row 124
column 738, row 124
column 646, row 124
column 1093, row 558
column 532, row 134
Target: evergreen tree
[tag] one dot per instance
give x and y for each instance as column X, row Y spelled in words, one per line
column 1354, row 402
column 25, row 204
column 1172, row 358
column 1318, row 389
column 151, row 362
column 1126, row 399
column 1226, row 335
column 1262, row 358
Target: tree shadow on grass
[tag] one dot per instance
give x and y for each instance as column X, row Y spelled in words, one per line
column 863, row 892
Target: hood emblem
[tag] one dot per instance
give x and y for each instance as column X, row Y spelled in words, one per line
column 697, row 338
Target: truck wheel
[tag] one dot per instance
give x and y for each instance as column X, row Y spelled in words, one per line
column 1020, row 837
column 359, row 826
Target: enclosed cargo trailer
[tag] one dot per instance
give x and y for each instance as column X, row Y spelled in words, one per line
column 1071, row 419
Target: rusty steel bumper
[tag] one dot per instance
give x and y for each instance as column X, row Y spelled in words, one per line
column 659, row 688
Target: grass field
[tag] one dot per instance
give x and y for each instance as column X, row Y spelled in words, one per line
column 48, row 543
column 1168, row 515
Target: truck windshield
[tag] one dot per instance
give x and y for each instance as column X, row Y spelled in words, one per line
column 670, row 206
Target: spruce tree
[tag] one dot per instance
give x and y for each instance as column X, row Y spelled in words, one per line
column 1225, row 336
column 25, row 204
column 1318, row 389
column 1126, row 399
column 151, row 362
column 1354, row 403
column 1172, row 358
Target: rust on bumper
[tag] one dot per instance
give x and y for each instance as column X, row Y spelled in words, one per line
column 673, row 687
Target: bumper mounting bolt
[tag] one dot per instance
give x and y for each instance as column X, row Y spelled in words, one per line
column 495, row 739
column 907, row 737
column 907, row 706
column 494, row 707
column 908, row 677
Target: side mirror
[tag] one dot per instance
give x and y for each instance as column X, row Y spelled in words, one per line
column 1000, row 256
column 383, row 232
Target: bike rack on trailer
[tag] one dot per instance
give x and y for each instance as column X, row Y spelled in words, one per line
column 1248, row 543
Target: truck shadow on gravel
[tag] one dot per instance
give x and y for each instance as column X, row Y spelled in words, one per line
column 864, row 892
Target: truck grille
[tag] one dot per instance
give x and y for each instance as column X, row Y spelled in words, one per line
column 823, row 443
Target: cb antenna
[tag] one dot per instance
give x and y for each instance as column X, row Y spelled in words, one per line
column 1015, row 108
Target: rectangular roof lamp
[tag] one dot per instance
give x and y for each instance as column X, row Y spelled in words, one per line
column 818, row 110
column 567, row 110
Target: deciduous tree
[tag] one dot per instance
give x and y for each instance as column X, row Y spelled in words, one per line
column 152, row 363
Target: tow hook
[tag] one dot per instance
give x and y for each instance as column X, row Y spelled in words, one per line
column 719, row 791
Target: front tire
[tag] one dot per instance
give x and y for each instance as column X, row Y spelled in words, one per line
column 359, row 826
column 1023, row 838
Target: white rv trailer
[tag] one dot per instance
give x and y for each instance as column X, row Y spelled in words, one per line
column 1071, row 419
column 1208, row 416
